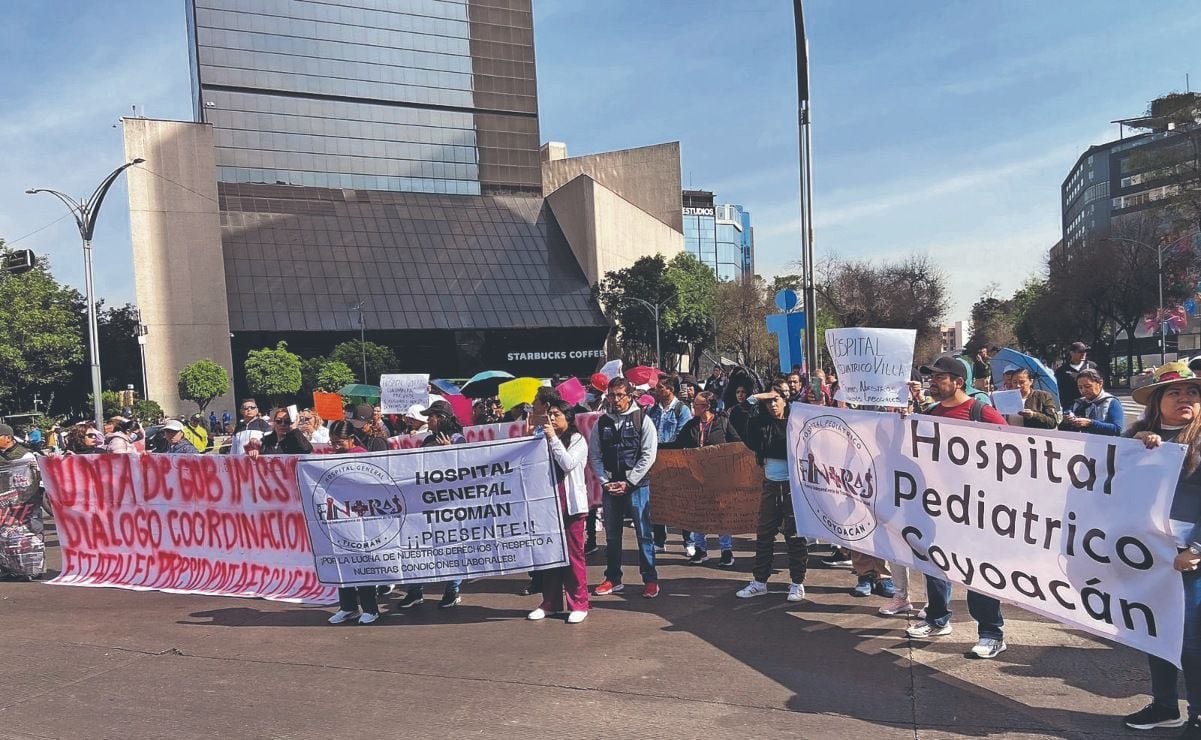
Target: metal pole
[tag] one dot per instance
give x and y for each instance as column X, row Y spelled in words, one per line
column 658, row 351
column 1163, row 339
column 363, row 341
column 809, row 291
column 93, row 334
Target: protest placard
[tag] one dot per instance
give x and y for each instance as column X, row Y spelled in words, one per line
column 225, row 525
column 1008, row 402
column 414, row 516
column 1072, row 526
column 328, row 406
column 709, row 489
column 398, row 392
column 873, row 365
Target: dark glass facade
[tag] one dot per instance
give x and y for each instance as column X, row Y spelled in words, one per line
column 434, row 96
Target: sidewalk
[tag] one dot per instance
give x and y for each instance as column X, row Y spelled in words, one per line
column 696, row 662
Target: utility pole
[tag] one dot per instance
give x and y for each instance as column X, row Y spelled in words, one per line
column 808, row 287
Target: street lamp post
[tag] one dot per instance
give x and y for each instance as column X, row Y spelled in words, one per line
column 362, row 336
column 654, row 308
column 85, row 213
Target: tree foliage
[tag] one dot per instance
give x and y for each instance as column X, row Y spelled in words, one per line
column 273, row 372
column 332, row 375
column 380, row 359
column 40, row 339
column 147, row 410
column 202, row 381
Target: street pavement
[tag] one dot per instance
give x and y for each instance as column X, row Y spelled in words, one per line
column 696, row 662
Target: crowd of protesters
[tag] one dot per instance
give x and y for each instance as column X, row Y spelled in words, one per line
column 681, row 412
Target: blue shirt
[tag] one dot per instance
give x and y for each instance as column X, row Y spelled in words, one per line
column 669, row 421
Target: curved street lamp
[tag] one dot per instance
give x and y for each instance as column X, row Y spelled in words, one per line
column 85, row 213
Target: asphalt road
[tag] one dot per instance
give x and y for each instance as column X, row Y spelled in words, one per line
column 696, row 662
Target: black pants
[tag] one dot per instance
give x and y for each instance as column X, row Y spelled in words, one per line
column 660, row 531
column 590, row 527
column 775, row 517
column 351, row 598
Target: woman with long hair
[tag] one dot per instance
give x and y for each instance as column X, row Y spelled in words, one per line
column 1173, row 401
column 352, row 600
column 569, row 455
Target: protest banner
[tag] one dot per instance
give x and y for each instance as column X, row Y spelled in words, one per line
column 329, row 406
column 400, row 391
column 225, row 525
column 415, row 516
column 873, row 365
column 1071, row 526
column 708, row 489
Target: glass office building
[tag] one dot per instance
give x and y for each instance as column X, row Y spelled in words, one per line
column 719, row 235
column 431, row 96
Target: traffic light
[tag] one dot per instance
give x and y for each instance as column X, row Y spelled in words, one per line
column 17, row 261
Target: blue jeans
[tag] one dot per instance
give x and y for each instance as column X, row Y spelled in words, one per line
column 419, row 588
column 724, row 541
column 1163, row 673
column 635, row 504
column 984, row 609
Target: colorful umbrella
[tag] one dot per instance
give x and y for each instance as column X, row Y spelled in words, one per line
column 572, row 391
column 1044, row 379
column 643, row 375
column 485, row 384
column 518, row 391
column 368, row 393
column 446, row 387
column 599, row 382
column 462, row 408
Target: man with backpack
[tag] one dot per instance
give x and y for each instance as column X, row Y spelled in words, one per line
column 621, row 453
column 670, row 415
column 948, row 381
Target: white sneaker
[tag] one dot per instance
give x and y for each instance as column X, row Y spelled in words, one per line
column 537, row 614
column 689, row 550
column 368, row 618
column 576, row 617
column 923, row 630
column 987, row 647
column 341, row 616
column 754, row 588
column 897, row 605
column 796, row 592
column 921, row 613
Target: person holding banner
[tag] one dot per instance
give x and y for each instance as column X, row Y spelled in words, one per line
column 1173, row 402
column 252, row 427
column 622, row 450
column 708, row 428
column 569, row 454
column 948, row 387
column 445, row 430
column 768, row 439
column 351, row 599
column 284, row 439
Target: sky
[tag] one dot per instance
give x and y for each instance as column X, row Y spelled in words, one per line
column 939, row 127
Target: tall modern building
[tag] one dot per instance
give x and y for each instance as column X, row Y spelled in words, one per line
column 719, row 235
column 374, row 165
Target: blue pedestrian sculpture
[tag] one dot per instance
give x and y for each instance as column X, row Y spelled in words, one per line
column 788, row 327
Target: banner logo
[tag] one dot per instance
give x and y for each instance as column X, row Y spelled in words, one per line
column 359, row 507
column 837, row 475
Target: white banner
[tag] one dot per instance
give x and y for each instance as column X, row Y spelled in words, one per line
column 873, row 365
column 432, row 514
column 398, row 392
column 1072, row 526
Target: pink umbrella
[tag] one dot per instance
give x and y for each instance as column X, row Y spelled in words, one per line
column 643, row 375
column 572, row 391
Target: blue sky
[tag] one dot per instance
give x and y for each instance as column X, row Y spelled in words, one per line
column 939, row 127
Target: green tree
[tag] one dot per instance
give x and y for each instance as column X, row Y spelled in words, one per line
column 380, row 359
column 110, row 403
column 202, row 381
column 688, row 320
column 646, row 279
column 147, row 410
column 40, row 339
column 332, row 375
column 273, row 372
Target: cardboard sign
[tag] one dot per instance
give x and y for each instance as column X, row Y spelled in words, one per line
column 329, row 406
column 710, row 489
column 398, row 392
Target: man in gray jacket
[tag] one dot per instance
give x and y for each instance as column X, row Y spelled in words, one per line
column 621, row 453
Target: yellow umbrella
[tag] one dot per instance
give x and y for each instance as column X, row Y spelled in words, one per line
column 518, row 391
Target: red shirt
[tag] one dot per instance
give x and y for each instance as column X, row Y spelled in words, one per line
column 964, row 411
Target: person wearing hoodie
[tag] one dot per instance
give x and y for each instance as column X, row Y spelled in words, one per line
column 621, row 452
column 1096, row 411
column 120, row 440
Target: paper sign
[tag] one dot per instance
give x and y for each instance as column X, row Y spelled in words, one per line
column 611, row 369
column 1008, row 402
column 328, row 406
column 398, row 392
column 293, row 413
column 873, row 365
column 709, row 489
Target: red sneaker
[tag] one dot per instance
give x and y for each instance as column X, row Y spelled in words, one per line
column 651, row 591
column 608, row 587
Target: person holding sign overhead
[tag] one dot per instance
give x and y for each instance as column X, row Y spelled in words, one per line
column 1173, row 401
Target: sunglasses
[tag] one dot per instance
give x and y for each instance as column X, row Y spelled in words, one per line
column 247, row 408
column 284, row 421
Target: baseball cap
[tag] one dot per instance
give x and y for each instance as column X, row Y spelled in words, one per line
column 364, row 414
column 442, row 408
column 172, row 425
column 6, row 430
column 415, row 412
column 1080, row 347
column 948, row 365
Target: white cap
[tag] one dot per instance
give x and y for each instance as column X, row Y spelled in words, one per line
column 414, row 412
column 173, row 425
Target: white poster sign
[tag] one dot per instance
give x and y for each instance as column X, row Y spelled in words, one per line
column 398, row 392
column 1072, row 526
column 873, row 365
column 432, row 514
column 1008, row 402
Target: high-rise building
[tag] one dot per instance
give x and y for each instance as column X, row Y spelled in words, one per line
column 719, row 235
column 431, row 96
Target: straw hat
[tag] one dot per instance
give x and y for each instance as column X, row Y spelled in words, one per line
column 1165, row 375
